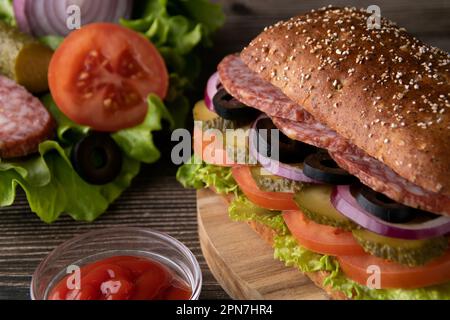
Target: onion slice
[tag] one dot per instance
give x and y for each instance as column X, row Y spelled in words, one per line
column 20, row 15
column 50, row 17
column 273, row 166
column 211, row 89
column 343, row 200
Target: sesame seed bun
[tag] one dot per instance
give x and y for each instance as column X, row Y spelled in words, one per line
column 382, row 89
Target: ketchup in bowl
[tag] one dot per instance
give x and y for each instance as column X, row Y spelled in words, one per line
column 122, row 278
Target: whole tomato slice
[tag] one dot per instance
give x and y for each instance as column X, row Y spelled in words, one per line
column 321, row 238
column 395, row 275
column 102, row 74
column 267, row 200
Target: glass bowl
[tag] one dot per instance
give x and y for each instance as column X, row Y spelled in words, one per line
column 98, row 245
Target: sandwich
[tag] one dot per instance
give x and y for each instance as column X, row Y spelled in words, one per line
column 356, row 194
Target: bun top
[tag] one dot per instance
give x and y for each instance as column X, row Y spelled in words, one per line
column 382, row 89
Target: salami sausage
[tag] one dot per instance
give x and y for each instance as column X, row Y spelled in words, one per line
column 312, row 132
column 24, row 121
column 246, row 86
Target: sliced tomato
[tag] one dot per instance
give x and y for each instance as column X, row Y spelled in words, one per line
column 210, row 148
column 394, row 275
column 102, row 74
column 321, row 238
column 267, row 200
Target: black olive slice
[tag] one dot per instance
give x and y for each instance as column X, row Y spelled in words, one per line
column 290, row 151
column 97, row 159
column 229, row 108
column 383, row 207
column 321, row 167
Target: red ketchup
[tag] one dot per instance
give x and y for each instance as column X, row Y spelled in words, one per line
column 122, row 278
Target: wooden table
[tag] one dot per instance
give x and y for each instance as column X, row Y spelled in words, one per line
column 156, row 200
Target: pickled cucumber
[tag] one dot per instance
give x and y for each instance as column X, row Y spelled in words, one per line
column 202, row 113
column 314, row 201
column 271, row 183
column 407, row 252
column 24, row 59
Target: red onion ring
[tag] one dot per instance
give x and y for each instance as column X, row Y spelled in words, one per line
column 343, row 200
column 273, row 166
column 211, row 89
column 19, row 13
column 49, row 17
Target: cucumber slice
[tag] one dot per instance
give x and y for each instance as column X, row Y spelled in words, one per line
column 407, row 252
column 268, row 182
column 314, row 201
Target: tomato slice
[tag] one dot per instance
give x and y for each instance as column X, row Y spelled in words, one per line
column 321, row 238
column 210, row 148
column 117, row 289
column 151, row 283
column 102, row 74
column 394, row 275
column 179, row 291
column 267, row 200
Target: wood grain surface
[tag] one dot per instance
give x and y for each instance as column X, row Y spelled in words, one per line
column 229, row 249
column 156, row 200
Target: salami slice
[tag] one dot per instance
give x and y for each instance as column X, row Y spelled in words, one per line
column 313, row 132
column 381, row 178
column 246, row 86
column 24, row 121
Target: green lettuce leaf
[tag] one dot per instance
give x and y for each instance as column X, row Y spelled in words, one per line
column 7, row 12
column 198, row 175
column 178, row 28
column 53, row 187
column 137, row 142
column 242, row 209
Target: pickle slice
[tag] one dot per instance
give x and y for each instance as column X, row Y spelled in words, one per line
column 24, row 59
column 314, row 201
column 202, row 113
column 268, row 182
column 411, row 253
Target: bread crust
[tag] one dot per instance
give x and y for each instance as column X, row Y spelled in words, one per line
column 382, row 89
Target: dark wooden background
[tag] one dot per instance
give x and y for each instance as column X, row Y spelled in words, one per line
column 156, row 200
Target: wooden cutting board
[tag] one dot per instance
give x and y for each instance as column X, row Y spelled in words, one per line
column 241, row 261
